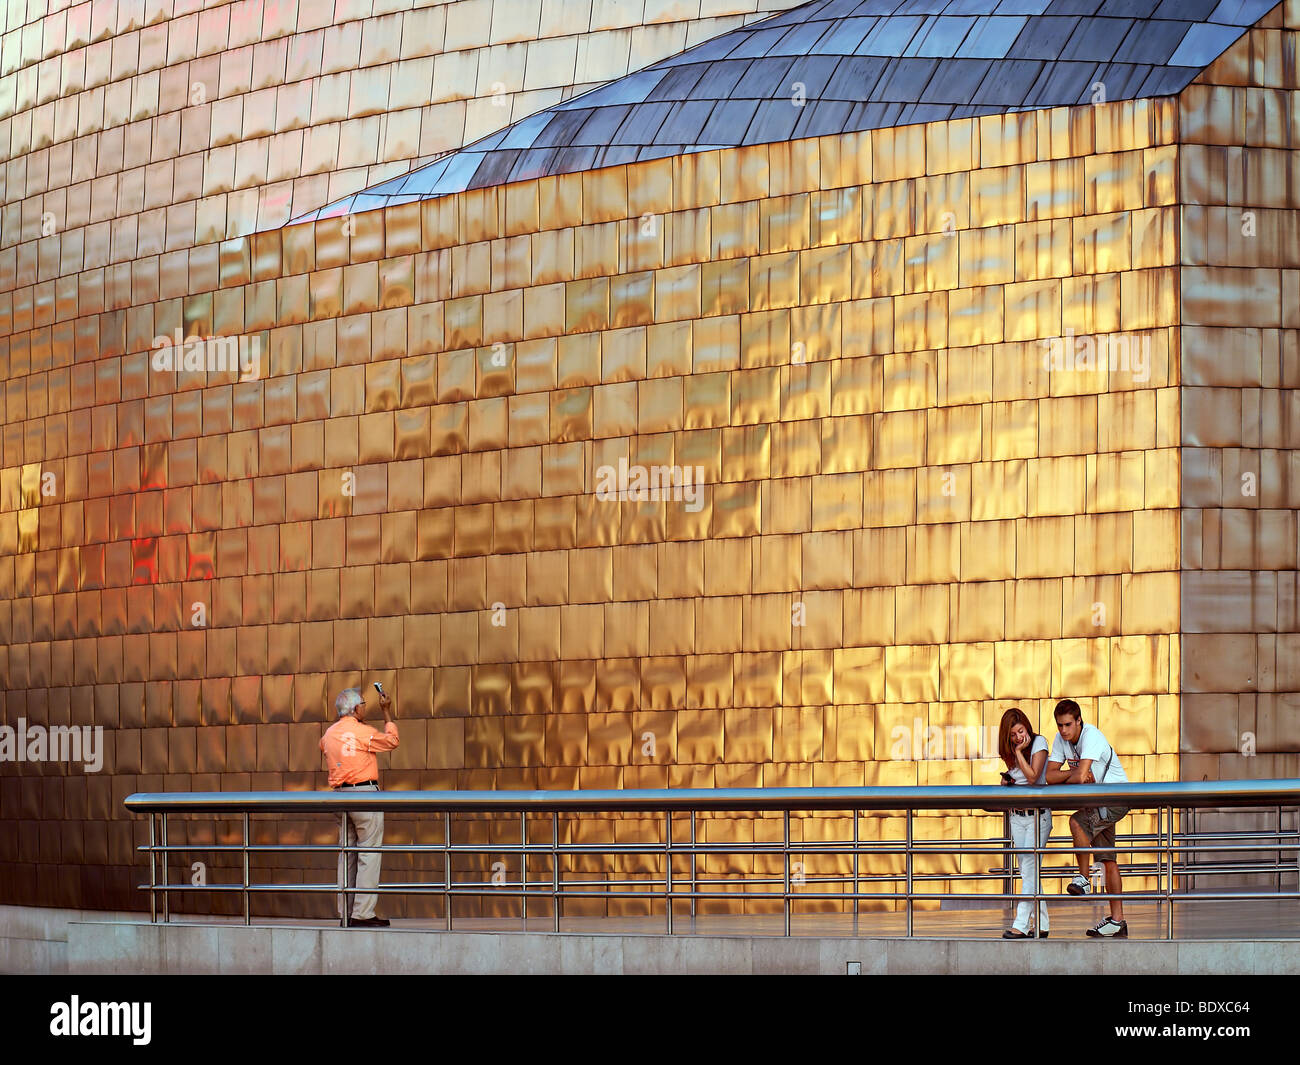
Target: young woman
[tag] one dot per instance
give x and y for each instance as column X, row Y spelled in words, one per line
column 1025, row 754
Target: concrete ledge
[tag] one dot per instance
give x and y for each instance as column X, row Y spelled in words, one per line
column 34, row 939
column 95, row 947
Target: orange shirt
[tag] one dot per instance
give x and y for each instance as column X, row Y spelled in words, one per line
column 350, row 747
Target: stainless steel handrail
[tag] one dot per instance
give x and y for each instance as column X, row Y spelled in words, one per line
column 1058, row 797
column 1162, row 798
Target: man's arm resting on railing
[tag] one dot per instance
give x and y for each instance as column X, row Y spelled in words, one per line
column 1058, row 773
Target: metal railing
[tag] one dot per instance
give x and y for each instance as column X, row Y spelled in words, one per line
column 1178, row 853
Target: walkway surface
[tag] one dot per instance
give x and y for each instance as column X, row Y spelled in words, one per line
column 1235, row 920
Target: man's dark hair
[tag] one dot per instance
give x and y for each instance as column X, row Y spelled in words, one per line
column 1067, row 706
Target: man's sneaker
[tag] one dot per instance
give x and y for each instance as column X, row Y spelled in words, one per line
column 1080, row 885
column 1110, row 929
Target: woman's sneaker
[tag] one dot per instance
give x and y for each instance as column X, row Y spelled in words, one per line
column 1110, row 929
column 1080, row 885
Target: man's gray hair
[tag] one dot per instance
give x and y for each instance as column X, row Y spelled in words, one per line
column 348, row 700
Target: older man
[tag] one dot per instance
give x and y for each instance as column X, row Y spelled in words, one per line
column 350, row 746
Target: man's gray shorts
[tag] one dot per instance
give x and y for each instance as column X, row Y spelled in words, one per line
column 1099, row 823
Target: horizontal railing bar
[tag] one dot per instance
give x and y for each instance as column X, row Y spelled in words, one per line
column 654, row 891
column 1181, row 794
column 685, row 849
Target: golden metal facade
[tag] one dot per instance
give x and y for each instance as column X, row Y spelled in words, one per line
column 1240, row 294
column 908, row 522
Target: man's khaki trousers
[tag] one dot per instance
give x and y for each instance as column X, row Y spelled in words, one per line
column 361, row 868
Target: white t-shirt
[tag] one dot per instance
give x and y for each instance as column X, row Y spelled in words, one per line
column 1092, row 745
column 1018, row 774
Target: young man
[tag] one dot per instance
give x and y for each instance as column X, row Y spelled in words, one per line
column 1082, row 755
column 350, row 746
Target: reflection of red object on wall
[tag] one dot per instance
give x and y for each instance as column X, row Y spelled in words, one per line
column 153, row 470
column 144, row 560
column 199, row 550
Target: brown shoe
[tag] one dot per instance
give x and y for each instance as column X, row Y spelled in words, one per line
column 371, row 922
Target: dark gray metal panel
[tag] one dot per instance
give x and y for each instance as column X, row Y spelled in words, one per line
column 820, row 118
column 855, row 78
column 497, row 166
column 522, row 134
column 764, row 80
column 1061, row 83
column 1204, row 43
column 719, row 81
column 920, row 7
column 561, row 128
column 1022, row 7
column 842, row 37
column 940, row 37
column 535, row 162
column 1043, row 38
column 629, row 90
column 642, row 124
column 913, row 114
column 685, row 121
column 861, row 64
column 771, row 120
column 801, row 39
column 1007, row 84
column 956, row 81
column 904, row 80
column 1132, row 9
column 1152, row 41
column 1086, row 8
column 1096, row 39
column 601, row 125
column 814, row 72
column 992, row 37
column 759, row 42
column 1188, row 10
column 573, row 159
column 1165, row 81
column 615, row 155
column 1122, row 80
column 680, row 82
column 1241, row 12
column 731, row 118
column 890, row 36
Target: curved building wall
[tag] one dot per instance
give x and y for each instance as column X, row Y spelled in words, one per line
column 908, row 519
column 136, row 138
column 1240, row 295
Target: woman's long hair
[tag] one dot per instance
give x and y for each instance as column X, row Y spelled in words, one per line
column 1007, row 749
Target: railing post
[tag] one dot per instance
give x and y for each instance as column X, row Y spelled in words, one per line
column 668, row 867
column 1039, row 855
column 1169, row 872
column 555, row 865
column 693, row 870
column 166, row 898
column 909, row 871
column 1279, row 854
column 523, row 866
column 855, row 871
column 153, row 875
column 446, row 864
column 786, row 850
column 1008, row 881
column 248, row 913
column 346, row 902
